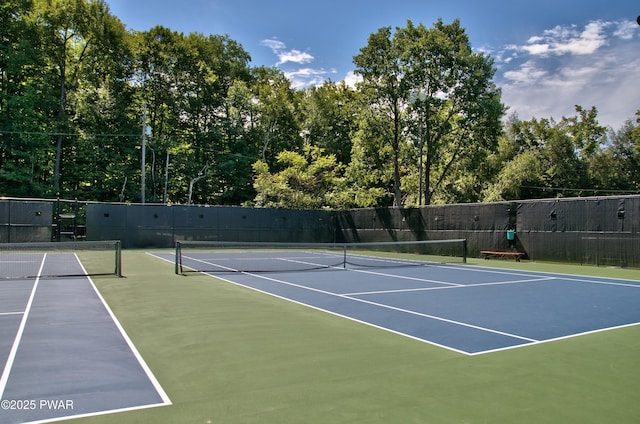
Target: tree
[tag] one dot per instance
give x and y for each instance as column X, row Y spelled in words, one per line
column 307, row 180
column 430, row 85
column 103, row 116
column 328, row 114
column 233, row 151
column 370, row 172
column 25, row 104
column 379, row 65
column 275, row 112
column 76, row 37
column 185, row 83
column 541, row 157
column 423, row 126
column 161, row 94
column 617, row 165
column 234, row 166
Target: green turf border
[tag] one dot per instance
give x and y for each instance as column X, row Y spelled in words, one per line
column 226, row 354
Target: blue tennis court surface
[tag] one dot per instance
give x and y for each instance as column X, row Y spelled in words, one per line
column 62, row 352
column 468, row 309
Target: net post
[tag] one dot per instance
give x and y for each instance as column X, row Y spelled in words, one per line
column 178, row 259
column 464, row 251
column 344, row 255
column 118, row 258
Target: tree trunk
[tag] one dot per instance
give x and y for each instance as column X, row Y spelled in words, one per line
column 397, row 193
column 427, row 180
column 61, row 105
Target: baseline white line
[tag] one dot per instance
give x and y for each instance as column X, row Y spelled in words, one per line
column 604, row 282
column 11, row 313
column 489, row 330
column 560, row 276
column 92, row 414
column 503, row 271
column 16, row 342
column 555, row 339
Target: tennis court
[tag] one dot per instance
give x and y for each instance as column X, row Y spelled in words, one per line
column 228, row 349
column 63, row 353
column 467, row 309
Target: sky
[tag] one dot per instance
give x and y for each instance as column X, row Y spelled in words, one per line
column 549, row 55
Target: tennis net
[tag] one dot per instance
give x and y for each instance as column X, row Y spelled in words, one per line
column 222, row 257
column 60, row 259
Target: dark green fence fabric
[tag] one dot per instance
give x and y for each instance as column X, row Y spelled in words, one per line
column 161, row 226
column 24, row 221
column 593, row 230
column 597, row 230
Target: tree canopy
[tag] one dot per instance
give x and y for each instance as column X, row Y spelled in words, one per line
column 425, row 125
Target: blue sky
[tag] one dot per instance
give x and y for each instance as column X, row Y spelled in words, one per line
column 550, row 54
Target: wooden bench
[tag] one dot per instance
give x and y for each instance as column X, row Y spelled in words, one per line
column 502, row 254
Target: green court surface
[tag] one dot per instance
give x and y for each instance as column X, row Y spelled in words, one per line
column 226, row 354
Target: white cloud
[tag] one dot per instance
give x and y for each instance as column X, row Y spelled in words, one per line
column 299, row 77
column 351, row 79
column 274, row 44
column 527, row 73
column 597, row 65
column 537, row 49
column 567, row 40
column 306, row 77
column 284, row 56
column 294, row 56
column 626, row 30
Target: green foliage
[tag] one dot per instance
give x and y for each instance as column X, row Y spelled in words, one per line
column 430, row 86
column 328, row 118
column 423, row 126
column 542, row 158
column 307, row 180
column 617, row 165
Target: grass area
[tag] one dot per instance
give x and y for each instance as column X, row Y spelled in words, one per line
column 226, row 354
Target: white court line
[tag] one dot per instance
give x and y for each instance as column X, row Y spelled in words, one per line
column 603, row 282
column 457, row 286
column 402, row 277
column 536, row 276
column 226, row 268
column 346, row 296
column 156, row 384
column 559, row 276
column 313, row 264
column 11, row 313
column 555, row 339
column 222, row 267
column 5, row 376
column 18, row 262
column 489, row 330
column 16, row 342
